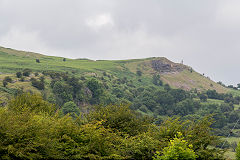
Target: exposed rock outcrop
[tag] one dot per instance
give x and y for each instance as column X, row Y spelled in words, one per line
column 163, row 67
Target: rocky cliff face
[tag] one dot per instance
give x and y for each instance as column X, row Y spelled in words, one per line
column 164, row 67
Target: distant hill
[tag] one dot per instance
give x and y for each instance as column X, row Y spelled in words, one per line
column 175, row 74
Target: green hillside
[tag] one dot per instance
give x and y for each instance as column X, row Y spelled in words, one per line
column 176, row 75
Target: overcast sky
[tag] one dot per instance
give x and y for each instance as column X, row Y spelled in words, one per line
column 204, row 33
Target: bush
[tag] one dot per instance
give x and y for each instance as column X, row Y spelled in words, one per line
column 5, row 83
column 27, row 72
column 139, row 73
column 36, row 74
column 8, row 79
column 38, row 84
column 22, row 79
column 156, row 80
column 19, row 74
column 203, row 97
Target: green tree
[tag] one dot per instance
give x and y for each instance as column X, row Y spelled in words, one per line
column 156, row 80
column 32, row 103
column 203, row 97
column 167, row 87
column 96, row 89
column 63, row 92
column 196, row 132
column 141, row 146
column 76, row 86
column 119, row 118
column 178, row 94
column 163, row 97
column 70, row 108
column 38, row 84
column 212, row 94
column 178, row 148
column 186, row 107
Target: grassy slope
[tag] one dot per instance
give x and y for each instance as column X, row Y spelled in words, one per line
column 186, row 80
column 12, row 61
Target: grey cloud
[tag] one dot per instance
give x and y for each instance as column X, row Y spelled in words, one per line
column 203, row 33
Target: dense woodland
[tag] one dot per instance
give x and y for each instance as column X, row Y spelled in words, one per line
column 158, row 100
column 105, row 117
column 32, row 128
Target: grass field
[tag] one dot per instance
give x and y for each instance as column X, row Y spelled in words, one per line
column 216, row 101
column 12, row 63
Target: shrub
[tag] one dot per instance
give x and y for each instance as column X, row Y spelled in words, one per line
column 156, row 80
column 36, row 73
column 203, row 97
column 8, row 79
column 19, row 74
column 22, row 79
column 5, row 83
column 139, row 73
column 38, row 84
column 26, row 72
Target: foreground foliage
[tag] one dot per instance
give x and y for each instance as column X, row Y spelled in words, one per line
column 31, row 128
column 178, row 148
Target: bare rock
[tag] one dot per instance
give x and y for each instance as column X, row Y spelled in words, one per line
column 164, row 67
